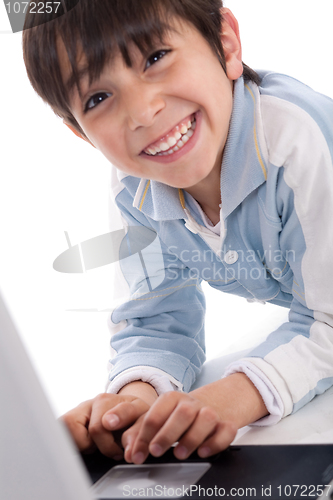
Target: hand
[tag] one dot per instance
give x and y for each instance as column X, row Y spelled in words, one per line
column 177, row 417
column 91, row 426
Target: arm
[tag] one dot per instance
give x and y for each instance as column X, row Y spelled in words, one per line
column 158, row 330
column 234, row 398
column 141, row 390
column 157, row 341
column 295, row 214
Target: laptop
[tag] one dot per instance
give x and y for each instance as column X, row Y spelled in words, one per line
column 38, row 460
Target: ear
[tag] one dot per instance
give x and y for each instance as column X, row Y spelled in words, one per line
column 231, row 45
column 76, row 132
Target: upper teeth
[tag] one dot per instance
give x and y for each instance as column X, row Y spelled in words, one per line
column 176, row 141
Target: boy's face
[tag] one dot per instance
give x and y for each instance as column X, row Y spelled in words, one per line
column 177, row 101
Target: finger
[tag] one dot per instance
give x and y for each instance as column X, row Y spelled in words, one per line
column 124, row 414
column 138, row 437
column 77, row 421
column 83, row 439
column 103, row 438
column 163, row 425
column 179, row 422
column 221, row 438
column 150, row 425
column 129, row 437
column 203, row 426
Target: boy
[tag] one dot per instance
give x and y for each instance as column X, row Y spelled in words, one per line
column 160, row 89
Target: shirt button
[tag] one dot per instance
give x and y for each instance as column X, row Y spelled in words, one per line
column 231, row 257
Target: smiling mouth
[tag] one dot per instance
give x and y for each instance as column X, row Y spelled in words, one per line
column 174, row 140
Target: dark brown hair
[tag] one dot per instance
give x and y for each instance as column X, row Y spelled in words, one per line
column 101, row 28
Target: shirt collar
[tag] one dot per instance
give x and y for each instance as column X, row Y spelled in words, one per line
column 244, row 157
column 159, row 201
column 243, row 165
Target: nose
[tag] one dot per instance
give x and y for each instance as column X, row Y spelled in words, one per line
column 143, row 103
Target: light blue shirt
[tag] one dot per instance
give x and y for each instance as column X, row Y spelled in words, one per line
column 275, row 245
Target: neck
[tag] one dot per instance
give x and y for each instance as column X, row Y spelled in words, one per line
column 208, row 194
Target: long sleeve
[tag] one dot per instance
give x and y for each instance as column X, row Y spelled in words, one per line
column 298, row 357
column 161, row 334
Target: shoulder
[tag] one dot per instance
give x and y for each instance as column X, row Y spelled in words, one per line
column 294, row 118
column 298, row 94
column 298, row 129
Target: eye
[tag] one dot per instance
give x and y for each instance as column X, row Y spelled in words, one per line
column 95, row 100
column 155, row 57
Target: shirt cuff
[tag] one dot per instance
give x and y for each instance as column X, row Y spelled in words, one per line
column 268, row 392
column 159, row 379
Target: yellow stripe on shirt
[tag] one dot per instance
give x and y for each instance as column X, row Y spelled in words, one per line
column 255, row 135
column 144, row 195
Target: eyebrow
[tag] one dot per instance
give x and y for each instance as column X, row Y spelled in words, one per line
column 76, row 77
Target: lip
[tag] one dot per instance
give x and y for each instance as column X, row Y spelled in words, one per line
column 181, row 152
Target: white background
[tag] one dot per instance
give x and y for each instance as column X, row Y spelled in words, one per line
column 52, row 182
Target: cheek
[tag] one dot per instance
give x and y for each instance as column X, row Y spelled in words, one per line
column 109, row 142
column 115, row 153
column 114, row 150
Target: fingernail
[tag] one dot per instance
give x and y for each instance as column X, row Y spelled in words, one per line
column 127, row 442
column 127, row 452
column 138, row 458
column 204, row 452
column 112, row 420
column 156, row 450
column 182, row 452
